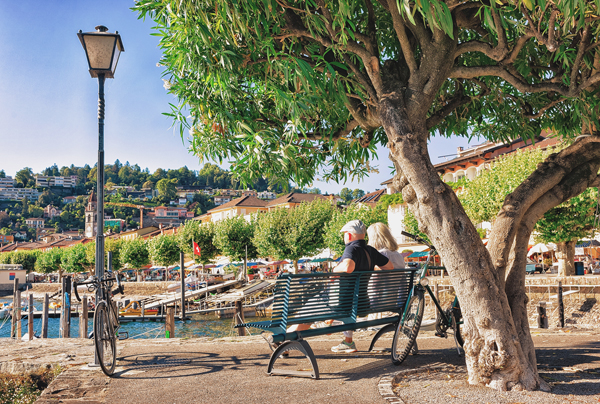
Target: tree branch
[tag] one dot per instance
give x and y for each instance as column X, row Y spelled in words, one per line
column 463, row 72
column 554, row 181
column 400, row 28
column 585, row 37
column 458, row 100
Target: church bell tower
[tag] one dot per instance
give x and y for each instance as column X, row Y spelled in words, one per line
column 91, row 216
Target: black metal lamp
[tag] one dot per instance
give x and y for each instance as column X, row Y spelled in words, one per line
column 102, row 50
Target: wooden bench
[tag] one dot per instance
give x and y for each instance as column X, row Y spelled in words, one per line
column 309, row 298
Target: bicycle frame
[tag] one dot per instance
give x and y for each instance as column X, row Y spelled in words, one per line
column 419, row 284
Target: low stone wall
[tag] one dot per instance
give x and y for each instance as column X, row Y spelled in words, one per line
column 581, row 295
column 131, row 288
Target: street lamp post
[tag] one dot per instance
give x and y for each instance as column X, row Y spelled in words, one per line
column 102, row 50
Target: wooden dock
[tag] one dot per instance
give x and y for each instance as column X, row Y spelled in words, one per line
column 170, row 298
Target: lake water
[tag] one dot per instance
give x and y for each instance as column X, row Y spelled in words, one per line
column 199, row 326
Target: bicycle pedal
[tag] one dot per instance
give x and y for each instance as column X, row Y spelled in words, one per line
column 123, row 335
column 441, row 334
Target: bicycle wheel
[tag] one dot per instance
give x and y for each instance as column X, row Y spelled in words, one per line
column 408, row 328
column 455, row 315
column 104, row 339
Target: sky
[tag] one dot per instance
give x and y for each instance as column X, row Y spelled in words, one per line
column 48, row 101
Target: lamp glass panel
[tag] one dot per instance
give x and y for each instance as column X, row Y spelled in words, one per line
column 99, row 50
column 115, row 59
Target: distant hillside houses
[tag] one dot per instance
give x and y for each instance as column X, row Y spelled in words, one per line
column 18, row 194
column 7, row 182
column 247, row 206
column 46, row 181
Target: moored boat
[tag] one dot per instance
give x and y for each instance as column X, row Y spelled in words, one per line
column 135, row 309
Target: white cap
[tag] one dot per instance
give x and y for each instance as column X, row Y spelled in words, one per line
column 354, row 227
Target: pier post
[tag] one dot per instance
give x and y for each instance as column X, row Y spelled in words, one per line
column 65, row 310
column 542, row 318
column 143, row 311
column 561, row 307
column 45, row 316
column 83, row 318
column 181, row 259
column 30, row 317
column 170, row 322
column 13, row 320
column 17, row 304
column 239, row 317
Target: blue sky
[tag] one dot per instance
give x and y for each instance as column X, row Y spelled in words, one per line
column 48, row 101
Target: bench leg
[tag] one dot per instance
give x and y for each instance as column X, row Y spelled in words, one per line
column 301, row 346
column 383, row 330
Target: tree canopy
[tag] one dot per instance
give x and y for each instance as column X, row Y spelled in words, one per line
column 293, row 89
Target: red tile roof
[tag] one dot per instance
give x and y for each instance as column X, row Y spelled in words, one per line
column 249, row 201
column 295, row 197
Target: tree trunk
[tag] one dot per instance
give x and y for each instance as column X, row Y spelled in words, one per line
column 492, row 352
column 565, row 253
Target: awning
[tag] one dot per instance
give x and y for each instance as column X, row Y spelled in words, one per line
column 322, row 260
column 418, row 254
column 588, row 243
column 277, row 263
column 303, row 260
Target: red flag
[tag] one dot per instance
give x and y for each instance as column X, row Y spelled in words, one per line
column 197, row 250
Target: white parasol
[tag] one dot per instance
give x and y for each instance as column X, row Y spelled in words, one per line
column 538, row 248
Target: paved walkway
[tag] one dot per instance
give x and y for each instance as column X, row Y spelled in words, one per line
column 232, row 370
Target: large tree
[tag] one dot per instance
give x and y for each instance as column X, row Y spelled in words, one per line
column 293, row 233
column 291, row 88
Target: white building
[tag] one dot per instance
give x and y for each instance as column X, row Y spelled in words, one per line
column 7, row 182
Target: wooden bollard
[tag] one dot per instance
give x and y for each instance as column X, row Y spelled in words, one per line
column 30, row 317
column 561, row 307
column 45, row 316
column 170, row 323
column 143, row 310
column 83, row 318
column 239, row 317
column 17, row 305
column 13, row 319
column 542, row 318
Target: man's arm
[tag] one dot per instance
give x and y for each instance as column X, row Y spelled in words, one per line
column 389, row 265
column 346, row 265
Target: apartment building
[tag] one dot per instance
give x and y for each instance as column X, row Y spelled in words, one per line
column 7, row 182
column 46, row 181
column 17, row 194
column 35, row 222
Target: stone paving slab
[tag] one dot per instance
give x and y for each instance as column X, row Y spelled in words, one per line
column 233, row 370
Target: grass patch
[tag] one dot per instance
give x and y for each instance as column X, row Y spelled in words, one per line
column 25, row 389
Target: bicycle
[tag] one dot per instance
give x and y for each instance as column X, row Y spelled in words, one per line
column 106, row 319
column 407, row 329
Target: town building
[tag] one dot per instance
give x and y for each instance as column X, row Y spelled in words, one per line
column 250, row 192
column 244, row 206
column 4, row 239
column 47, row 181
column 91, row 216
column 8, row 274
column 69, row 199
column 371, row 198
column 51, row 212
column 35, row 222
column 7, row 182
column 294, row 199
column 266, row 195
column 133, row 234
column 222, row 199
column 18, row 194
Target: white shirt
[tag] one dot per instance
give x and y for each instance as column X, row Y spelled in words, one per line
column 394, row 256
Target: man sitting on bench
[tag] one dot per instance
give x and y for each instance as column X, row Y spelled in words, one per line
column 358, row 256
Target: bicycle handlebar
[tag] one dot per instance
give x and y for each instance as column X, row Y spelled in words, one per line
column 417, row 238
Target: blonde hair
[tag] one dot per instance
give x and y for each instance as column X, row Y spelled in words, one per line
column 380, row 237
